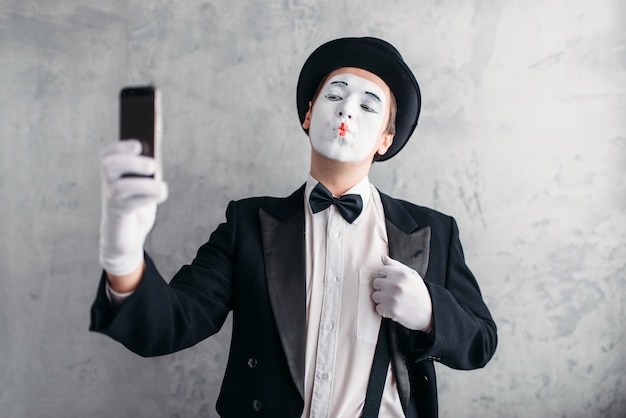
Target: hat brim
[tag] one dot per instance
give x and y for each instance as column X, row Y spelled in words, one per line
column 375, row 56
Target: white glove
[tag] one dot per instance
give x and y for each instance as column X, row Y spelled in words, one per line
column 128, row 206
column 401, row 294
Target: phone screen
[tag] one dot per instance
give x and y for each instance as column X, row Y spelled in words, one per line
column 138, row 117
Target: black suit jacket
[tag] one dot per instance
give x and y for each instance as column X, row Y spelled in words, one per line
column 254, row 265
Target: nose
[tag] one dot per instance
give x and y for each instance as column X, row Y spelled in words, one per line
column 348, row 108
column 342, row 114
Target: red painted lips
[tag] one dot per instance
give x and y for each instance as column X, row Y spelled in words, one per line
column 343, row 129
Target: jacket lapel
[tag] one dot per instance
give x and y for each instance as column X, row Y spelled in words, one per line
column 284, row 252
column 410, row 244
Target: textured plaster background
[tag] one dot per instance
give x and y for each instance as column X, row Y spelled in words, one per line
column 521, row 139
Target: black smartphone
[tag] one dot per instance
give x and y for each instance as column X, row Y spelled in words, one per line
column 140, row 118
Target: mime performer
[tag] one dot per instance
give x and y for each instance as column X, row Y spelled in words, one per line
column 342, row 297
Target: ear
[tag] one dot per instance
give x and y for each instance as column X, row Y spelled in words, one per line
column 385, row 144
column 307, row 118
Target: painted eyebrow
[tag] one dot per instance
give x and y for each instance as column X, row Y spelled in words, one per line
column 374, row 96
column 343, row 83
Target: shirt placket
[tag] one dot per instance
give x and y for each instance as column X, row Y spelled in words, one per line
column 331, row 303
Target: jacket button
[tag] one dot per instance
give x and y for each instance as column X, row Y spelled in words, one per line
column 256, row 405
column 252, row 362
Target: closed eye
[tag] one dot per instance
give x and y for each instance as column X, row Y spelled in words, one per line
column 368, row 109
column 333, row 97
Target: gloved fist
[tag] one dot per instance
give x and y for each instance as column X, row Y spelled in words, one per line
column 401, row 294
column 128, row 206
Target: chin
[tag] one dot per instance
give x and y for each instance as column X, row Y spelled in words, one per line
column 341, row 155
column 337, row 148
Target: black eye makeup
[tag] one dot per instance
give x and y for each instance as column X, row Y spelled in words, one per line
column 368, row 109
column 333, row 97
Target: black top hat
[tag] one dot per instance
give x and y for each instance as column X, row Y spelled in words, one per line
column 376, row 56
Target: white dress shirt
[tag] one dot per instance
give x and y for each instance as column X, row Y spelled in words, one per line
column 342, row 322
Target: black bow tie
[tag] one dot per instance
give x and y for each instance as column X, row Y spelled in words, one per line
column 349, row 205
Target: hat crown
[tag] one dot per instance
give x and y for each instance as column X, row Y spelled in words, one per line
column 384, row 44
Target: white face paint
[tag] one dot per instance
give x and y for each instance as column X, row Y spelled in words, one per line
column 347, row 118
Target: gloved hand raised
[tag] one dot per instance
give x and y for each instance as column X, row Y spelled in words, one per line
column 128, row 206
column 401, row 294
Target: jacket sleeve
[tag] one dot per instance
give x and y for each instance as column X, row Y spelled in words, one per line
column 158, row 318
column 465, row 334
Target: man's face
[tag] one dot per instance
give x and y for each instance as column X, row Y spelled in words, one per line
column 348, row 120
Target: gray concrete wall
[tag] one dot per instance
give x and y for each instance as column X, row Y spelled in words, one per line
column 521, row 139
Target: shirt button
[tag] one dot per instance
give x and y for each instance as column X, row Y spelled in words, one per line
column 256, row 405
column 329, row 326
column 252, row 362
column 324, row 376
column 335, row 234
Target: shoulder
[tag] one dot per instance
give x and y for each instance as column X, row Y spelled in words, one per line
column 417, row 211
column 270, row 204
column 421, row 214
